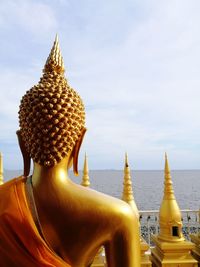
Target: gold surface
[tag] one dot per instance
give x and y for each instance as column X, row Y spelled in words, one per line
column 145, row 253
column 85, row 179
column 99, row 260
column 169, row 214
column 77, row 221
column 51, row 114
column 171, row 249
column 127, row 195
column 55, row 60
column 1, row 168
column 171, row 254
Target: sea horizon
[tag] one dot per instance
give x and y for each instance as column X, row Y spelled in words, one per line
column 147, row 185
column 193, row 169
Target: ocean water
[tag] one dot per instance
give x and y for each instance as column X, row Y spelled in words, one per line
column 147, row 186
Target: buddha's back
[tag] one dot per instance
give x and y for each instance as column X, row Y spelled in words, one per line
column 78, row 221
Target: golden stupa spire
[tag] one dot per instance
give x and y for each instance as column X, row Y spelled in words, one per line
column 85, row 178
column 127, row 187
column 127, row 190
column 1, row 168
column 170, row 214
column 168, row 185
column 55, row 60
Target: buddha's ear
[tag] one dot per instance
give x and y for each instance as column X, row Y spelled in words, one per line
column 25, row 154
column 76, row 151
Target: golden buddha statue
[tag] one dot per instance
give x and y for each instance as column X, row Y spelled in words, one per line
column 45, row 218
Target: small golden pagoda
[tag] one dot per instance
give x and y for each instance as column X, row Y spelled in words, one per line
column 129, row 198
column 127, row 188
column 1, row 168
column 171, row 249
column 85, row 178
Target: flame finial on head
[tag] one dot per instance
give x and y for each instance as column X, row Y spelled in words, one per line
column 55, row 60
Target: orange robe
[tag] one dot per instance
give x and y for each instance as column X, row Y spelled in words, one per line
column 20, row 242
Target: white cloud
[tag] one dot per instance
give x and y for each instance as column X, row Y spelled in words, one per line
column 34, row 17
column 135, row 64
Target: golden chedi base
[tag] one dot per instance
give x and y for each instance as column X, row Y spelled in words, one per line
column 172, row 254
column 145, row 256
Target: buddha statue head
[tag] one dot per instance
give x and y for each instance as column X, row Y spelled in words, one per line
column 51, row 117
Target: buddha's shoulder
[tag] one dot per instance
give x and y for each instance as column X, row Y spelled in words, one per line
column 102, row 202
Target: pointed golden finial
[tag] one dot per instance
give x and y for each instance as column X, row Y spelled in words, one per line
column 169, row 214
column 1, row 168
column 167, row 170
column 127, row 192
column 55, row 60
column 85, row 178
column 168, row 185
column 127, row 187
column 126, row 160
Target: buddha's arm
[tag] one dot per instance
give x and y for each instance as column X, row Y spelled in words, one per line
column 124, row 248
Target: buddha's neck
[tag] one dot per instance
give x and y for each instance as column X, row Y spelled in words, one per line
column 54, row 176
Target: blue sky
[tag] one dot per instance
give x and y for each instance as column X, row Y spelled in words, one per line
column 136, row 65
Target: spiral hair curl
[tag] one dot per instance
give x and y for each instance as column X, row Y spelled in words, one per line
column 51, row 114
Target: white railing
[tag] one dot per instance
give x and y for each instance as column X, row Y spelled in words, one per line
column 149, row 222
